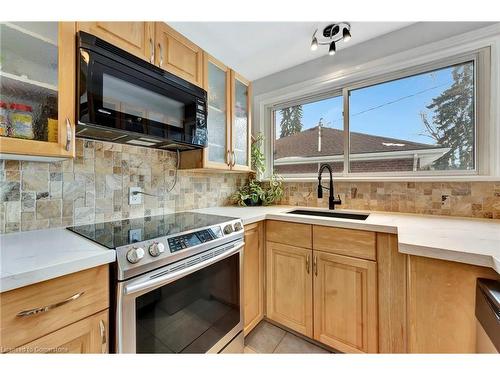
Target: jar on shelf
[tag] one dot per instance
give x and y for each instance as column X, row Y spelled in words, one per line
column 4, row 120
column 21, row 120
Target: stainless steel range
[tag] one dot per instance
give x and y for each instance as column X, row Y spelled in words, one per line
column 177, row 282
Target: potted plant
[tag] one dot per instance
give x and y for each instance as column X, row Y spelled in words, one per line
column 256, row 192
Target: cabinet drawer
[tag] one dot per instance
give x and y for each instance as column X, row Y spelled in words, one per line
column 350, row 242
column 71, row 297
column 293, row 234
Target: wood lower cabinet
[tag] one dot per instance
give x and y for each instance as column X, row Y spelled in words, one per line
column 87, row 336
column 289, row 286
column 441, row 305
column 136, row 38
column 253, row 274
column 345, row 302
column 178, row 55
column 41, row 313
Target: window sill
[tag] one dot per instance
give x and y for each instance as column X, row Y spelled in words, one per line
column 397, row 179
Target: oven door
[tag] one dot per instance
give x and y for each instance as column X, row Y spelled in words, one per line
column 197, row 309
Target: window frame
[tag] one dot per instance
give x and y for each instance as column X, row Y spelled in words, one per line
column 481, row 59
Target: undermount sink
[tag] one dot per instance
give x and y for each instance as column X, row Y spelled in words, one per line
column 340, row 215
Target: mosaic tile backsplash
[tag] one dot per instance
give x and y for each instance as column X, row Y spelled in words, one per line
column 467, row 199
column 94, row 187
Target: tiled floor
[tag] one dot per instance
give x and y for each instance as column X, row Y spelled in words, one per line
column 266, row 338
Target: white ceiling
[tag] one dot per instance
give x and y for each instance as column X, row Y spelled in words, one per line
column 257, row 49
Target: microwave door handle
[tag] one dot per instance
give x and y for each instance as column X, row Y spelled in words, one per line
column 142, row 285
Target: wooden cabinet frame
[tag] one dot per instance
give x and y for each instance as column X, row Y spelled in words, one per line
column 274, row 297
column 66, row 61
column 237, row 77
column 253, row 260
column 165, row 37
column 360, row 337
column 206, row 161
column 123, row 35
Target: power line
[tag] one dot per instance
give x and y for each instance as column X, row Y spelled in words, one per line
column 398, row 100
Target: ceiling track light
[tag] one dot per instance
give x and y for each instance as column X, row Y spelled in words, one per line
column 330, row 35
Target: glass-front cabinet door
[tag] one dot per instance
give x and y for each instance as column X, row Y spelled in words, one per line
column 217, row 154
column 240, row 129
column 37, row 89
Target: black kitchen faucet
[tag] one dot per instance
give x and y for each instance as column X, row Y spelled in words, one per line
column 331, row 200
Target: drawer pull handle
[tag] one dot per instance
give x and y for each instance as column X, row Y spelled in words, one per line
column 102, row 332
column 39, row 310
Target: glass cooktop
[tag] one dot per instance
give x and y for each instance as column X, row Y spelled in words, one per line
column 118, row 233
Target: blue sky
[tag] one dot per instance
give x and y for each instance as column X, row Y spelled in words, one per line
column 398, row 120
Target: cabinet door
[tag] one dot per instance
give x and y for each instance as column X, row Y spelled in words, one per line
column 217, row 83
column 241, row 131
column 289, row 287
column 37, row 89
column 441, row 305
column 345, row 303
column 253, row 276
column 89, row 335
column 178, row 55
column 133, row 37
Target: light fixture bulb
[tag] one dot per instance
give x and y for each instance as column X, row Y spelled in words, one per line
column 346, row 34
column 314, row 44
column 331, row 50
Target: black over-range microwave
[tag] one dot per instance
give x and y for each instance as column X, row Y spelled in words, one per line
column 122, row 98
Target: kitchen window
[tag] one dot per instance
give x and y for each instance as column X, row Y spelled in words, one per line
column 422, row 121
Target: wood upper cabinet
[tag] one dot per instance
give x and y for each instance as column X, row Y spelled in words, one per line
column 37, row 90
column 217, row 82
column 253, row 273
column 228, row 122
column 241, row 130
column 136, row 38
column 345, row 302
column 87, row 336
column 178, row 55
column 289, row 287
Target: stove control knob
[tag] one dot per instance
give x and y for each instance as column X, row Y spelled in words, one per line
column 228, row 229
column 156, row 249
column 237, row 226
column 135, row 254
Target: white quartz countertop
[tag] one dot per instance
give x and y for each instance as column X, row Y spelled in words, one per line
column 30, row 257
column 471, row 241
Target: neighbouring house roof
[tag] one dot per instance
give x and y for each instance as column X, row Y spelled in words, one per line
column 305, row 144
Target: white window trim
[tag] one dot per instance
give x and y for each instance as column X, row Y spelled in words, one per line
column 421, row 58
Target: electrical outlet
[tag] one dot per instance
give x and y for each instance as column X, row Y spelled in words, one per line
column 135, row 198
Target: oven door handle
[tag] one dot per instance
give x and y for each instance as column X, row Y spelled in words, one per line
column 155, row 282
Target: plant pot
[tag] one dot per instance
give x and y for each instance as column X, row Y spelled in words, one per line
column 251, row 203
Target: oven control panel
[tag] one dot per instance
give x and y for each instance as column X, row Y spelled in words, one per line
column 192, row 239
